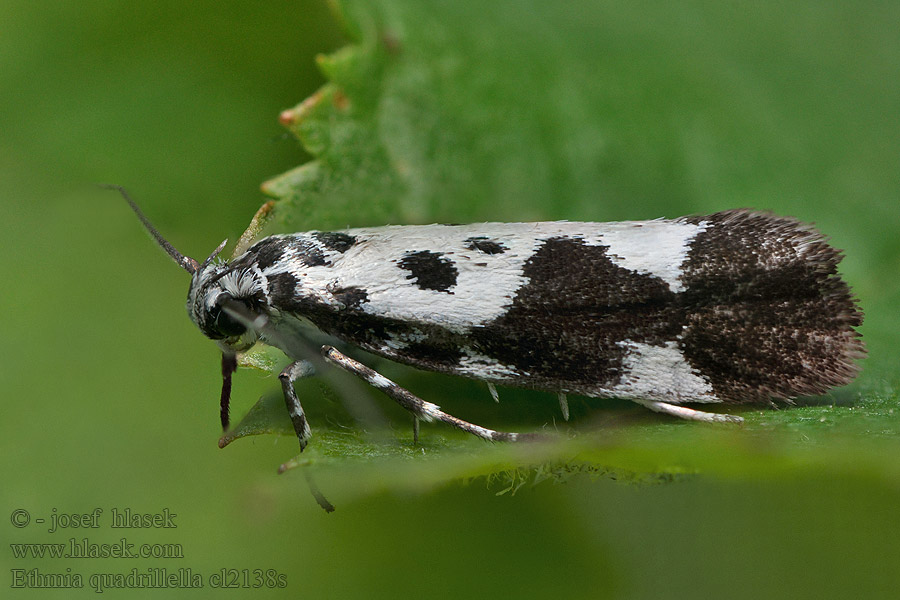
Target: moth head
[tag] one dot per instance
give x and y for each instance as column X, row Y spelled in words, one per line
column 222, row 301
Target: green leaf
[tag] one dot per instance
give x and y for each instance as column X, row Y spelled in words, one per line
column 451, row 110
column 461, row 111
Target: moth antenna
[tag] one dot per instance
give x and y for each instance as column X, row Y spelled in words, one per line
column 185, row 262
column 214, row 254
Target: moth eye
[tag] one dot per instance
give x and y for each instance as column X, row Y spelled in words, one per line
column 225, row 324
column 228, row 325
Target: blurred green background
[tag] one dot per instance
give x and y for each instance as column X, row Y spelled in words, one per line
column 457, row 112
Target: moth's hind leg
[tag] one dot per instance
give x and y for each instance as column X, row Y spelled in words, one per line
column 687, row 413
column 291, row 373
column 419, row 408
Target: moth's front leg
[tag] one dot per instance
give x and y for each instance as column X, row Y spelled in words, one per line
column 291, row 373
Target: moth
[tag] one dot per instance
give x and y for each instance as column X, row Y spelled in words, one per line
column 737, row 307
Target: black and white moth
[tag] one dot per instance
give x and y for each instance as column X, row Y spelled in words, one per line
column 735, row 307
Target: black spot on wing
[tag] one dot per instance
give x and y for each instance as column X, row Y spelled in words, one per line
column 431, row 270
column 768, row 315
column 485, row 245
column 310, row 252
column 438, row 351
column 299, row 248
column 742, row 252
column 336, row 241
column 351, row 296
column 282, row 290
column 267, row 252
column 564, row 325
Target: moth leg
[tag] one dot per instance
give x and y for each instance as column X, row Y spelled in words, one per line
column 687, row 413
column 291, row 373
column 493, row 391
column 256, row 224
column 564, row 405
column 418, row 407
column 229, row 366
